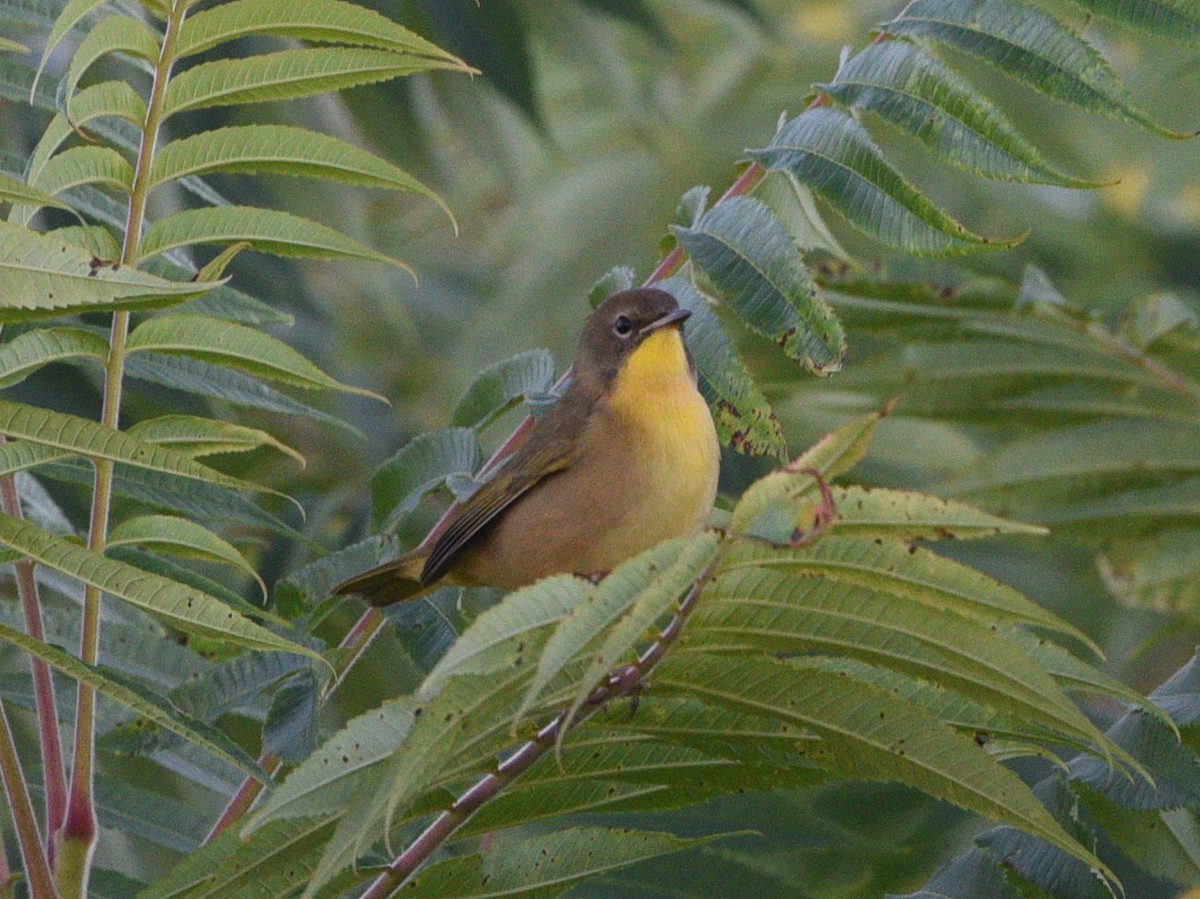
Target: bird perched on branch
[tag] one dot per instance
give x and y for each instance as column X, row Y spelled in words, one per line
column 626, row 459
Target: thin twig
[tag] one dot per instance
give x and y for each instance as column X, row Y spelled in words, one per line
column 33, row 851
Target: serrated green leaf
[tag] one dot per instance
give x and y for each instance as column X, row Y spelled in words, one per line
column 183, row 537
column 1176, row 20
column 1030, row 46
column 833, row 155
column 747, row 254
column 204, row 501
column 616, row 279
column 236, row 346
column 132, row 695
column 486, row 645
column 96, row 239
column 287, row 75
column 834, row 454
column 1161, row 572
column 26, row 353
column 869, row 735
column 498, row 387
column 73, row 12
column 1103, row 450
column 42, row 276
column 216, row 690
column 161, row 819
column 86, row 165
column 901, row 83
column 420, row 466
column 94, row 440
column 743, row 417
column 18, row 455
column 325, row 781
column 290, row 728
column 547, row 863
column 901, row 515
column 13, row 190
column 913, row 572
column 769, row 611
column 796, row 207
column 115, row 34
column 267, row 230
column 284, row 150
column 198, row 377
column 328, row 21
column 197, row 436
column 599, row 630
column 268, row 865
column 186, row 608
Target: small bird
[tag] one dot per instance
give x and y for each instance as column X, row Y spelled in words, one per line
column 626, row 459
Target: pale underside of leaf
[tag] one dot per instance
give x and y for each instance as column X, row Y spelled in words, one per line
column 831, row 153
column 267, row 230
column 237, row 346
column 42, row 276
column 186, row 608
column 140, row 700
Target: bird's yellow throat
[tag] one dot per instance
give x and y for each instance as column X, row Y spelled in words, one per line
column 656, row 392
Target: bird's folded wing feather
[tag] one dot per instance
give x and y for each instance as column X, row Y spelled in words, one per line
column 524, row 470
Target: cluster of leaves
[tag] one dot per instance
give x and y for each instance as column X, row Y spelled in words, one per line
column 862, row 655
column 773, row 655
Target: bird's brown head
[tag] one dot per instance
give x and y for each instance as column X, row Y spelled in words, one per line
column 618, row 327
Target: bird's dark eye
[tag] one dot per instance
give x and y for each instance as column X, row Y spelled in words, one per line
column 622, row 326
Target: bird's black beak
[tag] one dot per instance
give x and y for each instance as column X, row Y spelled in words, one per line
column 674, row 317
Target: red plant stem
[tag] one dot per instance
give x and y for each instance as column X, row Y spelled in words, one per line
column 53, row 772
column 357, row 639
column 33, row 852
column 620, row 682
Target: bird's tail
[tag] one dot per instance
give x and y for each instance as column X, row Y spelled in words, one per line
column 394, row 581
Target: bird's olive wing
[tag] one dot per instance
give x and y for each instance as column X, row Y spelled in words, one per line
column 528, row 466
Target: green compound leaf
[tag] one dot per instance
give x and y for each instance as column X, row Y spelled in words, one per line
column 832, row 154
column 116, row 34
column 184, row 607
column 140, row 699
column 421, row 465
column 869, row 734
column 287, row 75
column 742, row 415
column 43, row 276
column 285, row 150
column 184, row 537
column 86, row 165
column 13, row 190
column 1176, row 20
column 267, row 230
column 751, row 260
column 548, row 862
column 236, row 346
column 197, row 436
column 93, row 440
column 499, row 387
column 1030, row 46
column 901, row 83
column 319, row 21
column 26, row 353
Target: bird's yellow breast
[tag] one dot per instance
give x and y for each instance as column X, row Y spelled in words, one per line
column 671, row 432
